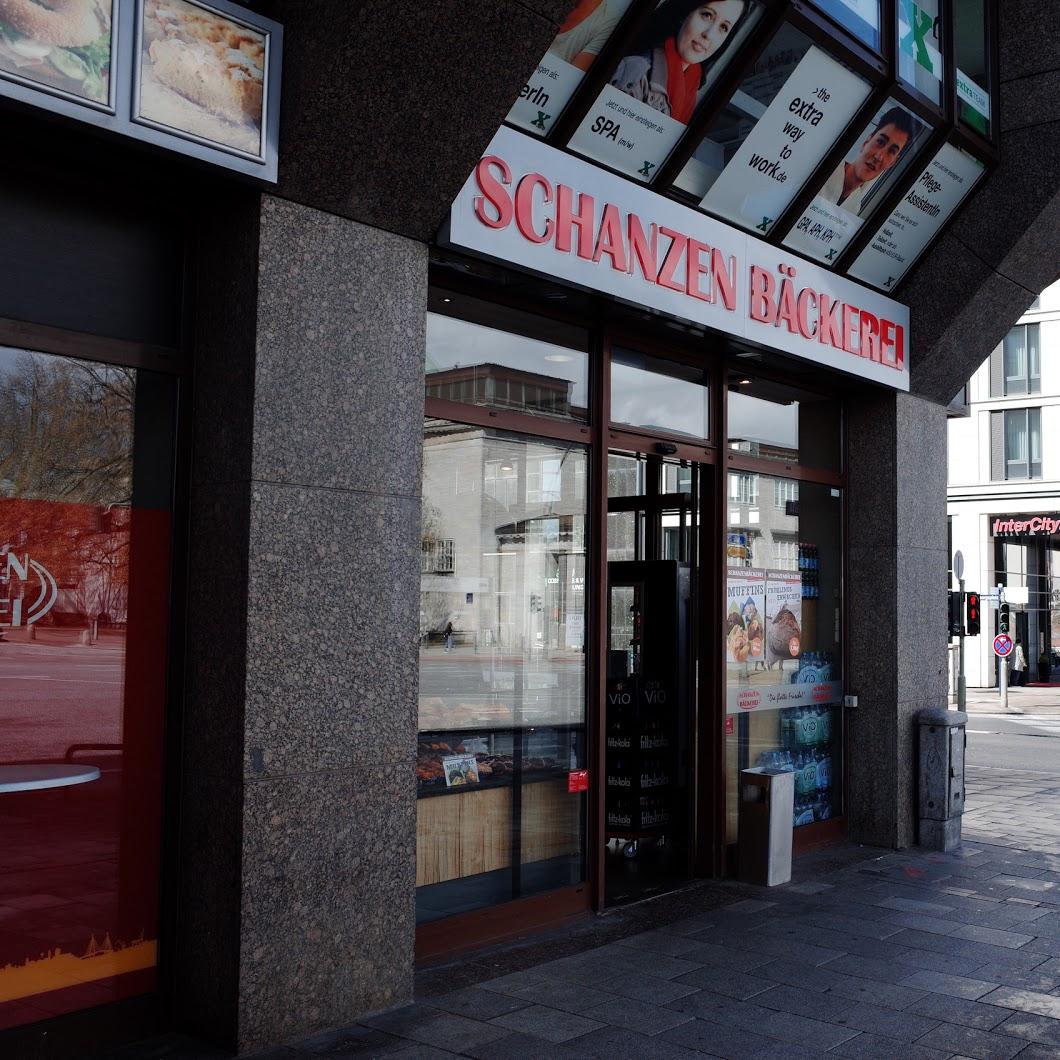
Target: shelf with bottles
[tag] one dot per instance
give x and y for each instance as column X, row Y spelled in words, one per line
column 809, row 568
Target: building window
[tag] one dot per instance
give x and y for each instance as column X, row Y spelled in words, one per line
column 743, row 489
column 436, row 557
column 1022, row 361
column 785, row 492
column 1023, row 443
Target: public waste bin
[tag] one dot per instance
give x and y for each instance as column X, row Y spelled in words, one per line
column 767, row 803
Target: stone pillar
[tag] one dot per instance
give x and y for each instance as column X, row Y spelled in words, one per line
column 896, row 603
column 297, row 872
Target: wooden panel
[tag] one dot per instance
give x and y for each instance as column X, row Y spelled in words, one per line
column 551, row 821
column 462, row 835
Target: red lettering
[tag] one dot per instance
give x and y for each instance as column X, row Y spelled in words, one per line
column 1036, row 524
column 869, row 336
column 850, row 328
column 493, row 192
column 723, row 278
column 641, row 251
column 829, row 331
column 807, row 301
column 668, row 272
column 610, row 241
column 524, row 207
column 695, row 268
column 899, row 345
column 762, row 308
column 583, row 218
column 788, row 313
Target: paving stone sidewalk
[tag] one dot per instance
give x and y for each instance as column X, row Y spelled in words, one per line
column 865, row 954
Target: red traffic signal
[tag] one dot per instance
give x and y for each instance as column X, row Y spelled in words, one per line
column 972, row 614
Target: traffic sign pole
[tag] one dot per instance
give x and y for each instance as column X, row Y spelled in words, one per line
column 962, row 685
column 1003, row 681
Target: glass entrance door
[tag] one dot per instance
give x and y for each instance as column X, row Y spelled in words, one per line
column 653, row 553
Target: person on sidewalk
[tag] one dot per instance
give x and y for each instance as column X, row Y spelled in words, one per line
column 1019, row 664
column 448, row 637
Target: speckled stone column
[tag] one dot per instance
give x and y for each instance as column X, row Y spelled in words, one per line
column 298, row 842
column 896, row 603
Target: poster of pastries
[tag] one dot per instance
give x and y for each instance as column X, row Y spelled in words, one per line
column 63, row 46
column 460, row 770
column 783, row 619
column 202, row 74
column 745, row 599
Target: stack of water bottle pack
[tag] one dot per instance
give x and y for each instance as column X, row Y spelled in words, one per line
column 806, row 738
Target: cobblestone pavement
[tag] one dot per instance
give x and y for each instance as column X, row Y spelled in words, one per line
column 865, row 954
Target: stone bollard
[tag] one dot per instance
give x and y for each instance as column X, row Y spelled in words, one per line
column 941, row 777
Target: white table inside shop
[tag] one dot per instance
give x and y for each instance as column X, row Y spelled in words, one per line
column 30, row 777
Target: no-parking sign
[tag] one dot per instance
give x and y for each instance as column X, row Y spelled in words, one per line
column 1003, row 645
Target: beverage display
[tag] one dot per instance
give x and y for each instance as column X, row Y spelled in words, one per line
column 806, row 737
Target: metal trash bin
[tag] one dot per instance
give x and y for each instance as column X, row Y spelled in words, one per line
column 767, row 804
column 943, row 738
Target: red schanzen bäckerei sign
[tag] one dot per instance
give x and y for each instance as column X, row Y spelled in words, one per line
column 547, row 211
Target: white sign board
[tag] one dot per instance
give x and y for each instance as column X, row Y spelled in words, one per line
column 553, row 214
column 799, row 126
column 899, row 241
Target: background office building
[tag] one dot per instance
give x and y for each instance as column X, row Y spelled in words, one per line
column 1004, row 487
column 435, row 461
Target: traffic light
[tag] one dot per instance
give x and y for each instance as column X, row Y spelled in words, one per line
column 1002, row 618
column 971, row 601
column 955, row 613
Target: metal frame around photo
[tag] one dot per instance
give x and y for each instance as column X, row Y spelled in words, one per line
column 270, row 84
column 9, row 80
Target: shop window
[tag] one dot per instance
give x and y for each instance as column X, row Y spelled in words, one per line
column 776, row 421
column 920, row 47
column 973, row 81
column 86, row 479
column 657, row 395
column 652, row 94
column 1022, row 443
column 876, row 160
column 930, row 201
column 778, row 125
column 859, row 17
column 582, row 36
column 782, row 650
column 502, row 670
column 483, row 354
column 1021, row 361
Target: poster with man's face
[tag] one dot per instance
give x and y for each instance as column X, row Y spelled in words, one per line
column 879, row 154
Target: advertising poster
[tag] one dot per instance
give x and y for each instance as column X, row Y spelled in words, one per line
column 460, row 770
column 801, row 123
column 745, row 607
column 655, row 89
column 64, row 48
column 783, row 620
column 202, row 74
column 878, row 157
column 919, row 58
column 938, row 191
column 975, row 102
column 577, row 46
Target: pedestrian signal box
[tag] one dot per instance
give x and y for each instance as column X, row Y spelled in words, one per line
column 955, row 614
column 971, row 614
column 1002, row 619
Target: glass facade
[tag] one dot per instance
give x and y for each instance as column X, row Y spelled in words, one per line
column 782, row 640
column 86, row 472
column 502, row 668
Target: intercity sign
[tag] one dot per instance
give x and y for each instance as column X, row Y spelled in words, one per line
column 541, row 209
column 1007, row 525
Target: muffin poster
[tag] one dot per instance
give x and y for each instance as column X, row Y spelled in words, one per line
column 744, row 625
column 783, row 617
column 60, row 45
column 202, row 74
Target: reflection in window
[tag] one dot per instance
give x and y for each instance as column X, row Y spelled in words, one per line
column 477, row 364
column 581, row 37
column 779, row 123
column 973, row 93
column 876, row 160
column 85, row 487
column 502, row 669
column 659, row 395
column 776, row 421
column 920, row 47
column 656, row 88
column 1023, row 443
